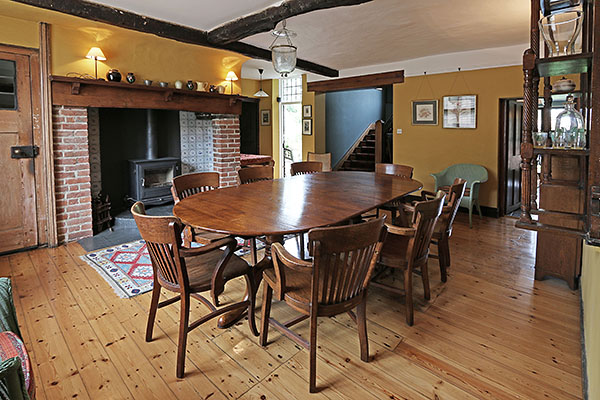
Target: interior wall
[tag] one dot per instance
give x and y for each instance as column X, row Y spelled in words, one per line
column 248, row 88
column 276, row 148
column 590, row 294
column 308, row 99
column 348, row 114
column 17, row 32
column 320, row 123
column 432, row 148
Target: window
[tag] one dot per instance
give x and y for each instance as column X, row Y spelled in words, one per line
column 8, row 85
column 291, row 90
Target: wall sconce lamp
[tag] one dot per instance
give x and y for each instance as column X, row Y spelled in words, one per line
column 231, row 76
column 96, row 54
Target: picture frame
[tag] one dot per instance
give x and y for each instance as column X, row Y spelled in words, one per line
column 307, row 126
column 460, row 112
column 265, row 117
column 307, row 111
column 424, row 112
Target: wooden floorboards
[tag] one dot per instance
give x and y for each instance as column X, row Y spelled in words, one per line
column 490, row 332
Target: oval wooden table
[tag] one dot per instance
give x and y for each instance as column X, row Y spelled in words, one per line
column 291, row 205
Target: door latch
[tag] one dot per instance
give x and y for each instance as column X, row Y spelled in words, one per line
column 24, row 151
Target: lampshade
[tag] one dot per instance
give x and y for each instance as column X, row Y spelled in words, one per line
column 261, row 92
column 231, row 76
column 283, row 53
column 96, row 54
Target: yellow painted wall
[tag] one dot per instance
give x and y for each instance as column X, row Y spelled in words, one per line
column 319, row 126
column 17, row 32
column 590, row 293
column 248, row 88
column 308, row 99
column 275, row 124
column 148, row 56
column 431, row 148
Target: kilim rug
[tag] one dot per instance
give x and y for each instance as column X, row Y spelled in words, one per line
column 127, row 267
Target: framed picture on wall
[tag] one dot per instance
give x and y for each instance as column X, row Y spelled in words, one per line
column 307, row 111
column 460, row 112
column 307, row 126
column 265, row 117
column 425, row 112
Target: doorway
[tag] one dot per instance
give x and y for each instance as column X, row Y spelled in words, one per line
column 18, row 214
column 509, row 157
column 290, row 114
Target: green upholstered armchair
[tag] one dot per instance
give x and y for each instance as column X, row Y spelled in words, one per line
column 12, row 380
column 475, row 175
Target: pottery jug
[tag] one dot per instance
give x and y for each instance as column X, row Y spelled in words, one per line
column 130, row 77
column 221, row 89
column 178, row 85
column 113, row 75
column 190, row 85
column 201, row 86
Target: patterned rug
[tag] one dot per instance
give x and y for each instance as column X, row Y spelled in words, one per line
column 127, row 267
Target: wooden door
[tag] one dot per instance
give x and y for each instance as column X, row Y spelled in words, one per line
column 249, row 128
column 513, row 124
column 18, row 219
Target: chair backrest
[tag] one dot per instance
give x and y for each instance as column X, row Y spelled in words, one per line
column 344, row 259
column 163, row 240
column 306, row 167
column 325, row 158
column 424, row 219
column 197, row 182
column 457, row 191
column 404, row 171
column 255, row 174
column 468, row 172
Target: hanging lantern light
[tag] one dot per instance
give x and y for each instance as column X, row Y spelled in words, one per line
column 261, row 92
column 283, row 52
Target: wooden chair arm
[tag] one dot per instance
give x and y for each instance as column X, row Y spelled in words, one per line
column 195, row 251
column 282, row 257
column 397, row 230
column 427, row 195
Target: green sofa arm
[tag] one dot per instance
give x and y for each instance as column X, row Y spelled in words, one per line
column 11, row 375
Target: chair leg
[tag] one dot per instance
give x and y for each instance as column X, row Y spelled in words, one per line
column 444, row 257
column 253, row 256
column 408, row 293
column 470, row 215
column 478, row 209
column 266, row 312
column 153, row 308
column 184, row 318
column 425, row 278
column 361, row 319
column 251, row 289
column 312, row 378
column 302, row 246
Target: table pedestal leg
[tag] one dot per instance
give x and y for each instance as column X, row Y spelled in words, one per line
column 228, row 319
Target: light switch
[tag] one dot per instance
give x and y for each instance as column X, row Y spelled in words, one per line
column 399, row 131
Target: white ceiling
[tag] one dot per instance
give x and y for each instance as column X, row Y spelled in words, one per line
column 379, row 32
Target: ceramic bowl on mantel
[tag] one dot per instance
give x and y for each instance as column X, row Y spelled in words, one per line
column 563, row 85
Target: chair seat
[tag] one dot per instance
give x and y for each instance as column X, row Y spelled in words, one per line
column 298, row 287
column 205, row 237
column 200, row 270
column 394, row 252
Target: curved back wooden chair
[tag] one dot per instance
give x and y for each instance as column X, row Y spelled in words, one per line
column 190, row 184
column 404, row 171
column 188, row 272
column 255, row 174
column 334, row 282
column 306, row 167
column 407, row 248
column 324, row 158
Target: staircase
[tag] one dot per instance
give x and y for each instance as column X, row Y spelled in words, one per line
column 362, row 158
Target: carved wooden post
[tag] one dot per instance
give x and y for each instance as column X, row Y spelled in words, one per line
column 529, row 107
column 378, row 141
column 535, row 47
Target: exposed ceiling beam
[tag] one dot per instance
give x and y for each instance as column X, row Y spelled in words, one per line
column 356, row 82
column 140, row 23
column 267, row 19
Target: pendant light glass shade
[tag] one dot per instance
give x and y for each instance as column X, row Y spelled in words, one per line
column 261, row 92
column 283, row 52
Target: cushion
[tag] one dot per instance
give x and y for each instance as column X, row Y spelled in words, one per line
column 12, row 346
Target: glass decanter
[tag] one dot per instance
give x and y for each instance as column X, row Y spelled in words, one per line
column 569, row 123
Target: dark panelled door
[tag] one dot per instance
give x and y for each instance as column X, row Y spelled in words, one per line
column 514, row 124
column 18, row 220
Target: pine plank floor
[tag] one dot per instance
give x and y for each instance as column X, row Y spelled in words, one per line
column 490, row 332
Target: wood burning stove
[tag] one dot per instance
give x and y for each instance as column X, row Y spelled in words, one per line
column 150, row 180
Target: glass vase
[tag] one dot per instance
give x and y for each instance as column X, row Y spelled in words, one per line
column 569, row 123
column 560, row 32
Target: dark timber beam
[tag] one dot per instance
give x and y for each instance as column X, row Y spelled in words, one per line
column 357, row 82
column 140, row 23
column 267, row 19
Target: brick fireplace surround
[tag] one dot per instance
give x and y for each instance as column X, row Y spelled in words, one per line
column 73, row 177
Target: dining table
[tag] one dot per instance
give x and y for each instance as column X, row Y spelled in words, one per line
column 274, row 208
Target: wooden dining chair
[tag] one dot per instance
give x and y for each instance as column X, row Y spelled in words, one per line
column 250, row 175
column 443, row 228
column 189, row 272
column 306, row 167
column 190, row 184
column 324, row 158
column 407, row 248
column 404, row 171
column 255, row 174
column 335, row 281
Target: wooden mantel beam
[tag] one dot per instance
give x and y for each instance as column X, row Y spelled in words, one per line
column 267, row 19
column 357, row 82
column 140, row 23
